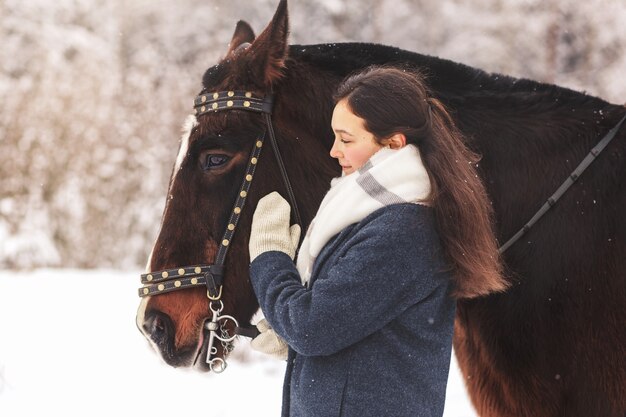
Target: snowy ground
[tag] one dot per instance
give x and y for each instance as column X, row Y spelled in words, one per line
column 69, row 346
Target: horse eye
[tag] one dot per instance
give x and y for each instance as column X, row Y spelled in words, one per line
column 212, row 161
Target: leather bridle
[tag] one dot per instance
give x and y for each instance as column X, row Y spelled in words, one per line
column 212, row 276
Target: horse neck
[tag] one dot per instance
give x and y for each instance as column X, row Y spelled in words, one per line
column 302, row 117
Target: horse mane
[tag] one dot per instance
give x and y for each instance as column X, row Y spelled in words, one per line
column 447, row 78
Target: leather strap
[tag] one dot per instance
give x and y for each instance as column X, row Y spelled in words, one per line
column 250, row 332
column 569, row 181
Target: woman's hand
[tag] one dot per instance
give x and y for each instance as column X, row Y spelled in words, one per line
column 270, row 227
column 269, row 342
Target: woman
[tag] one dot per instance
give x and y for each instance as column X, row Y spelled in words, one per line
column 368, row 310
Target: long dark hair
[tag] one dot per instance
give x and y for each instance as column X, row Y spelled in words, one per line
column 393, row 100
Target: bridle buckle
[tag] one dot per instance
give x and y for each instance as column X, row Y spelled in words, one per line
column 214, row 297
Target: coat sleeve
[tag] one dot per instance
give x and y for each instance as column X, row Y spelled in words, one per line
column 388, row 265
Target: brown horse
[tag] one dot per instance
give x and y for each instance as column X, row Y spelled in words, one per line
column 554, row 344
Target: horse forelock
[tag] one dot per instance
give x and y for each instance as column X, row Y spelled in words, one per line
column 235, row 72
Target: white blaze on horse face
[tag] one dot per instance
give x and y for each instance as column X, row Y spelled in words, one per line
column 188, row 126
column 141, row 311
column 141, row 316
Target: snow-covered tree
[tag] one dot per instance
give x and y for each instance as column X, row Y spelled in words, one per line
column 94, row 92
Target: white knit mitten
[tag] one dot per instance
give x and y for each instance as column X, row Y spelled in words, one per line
column 269, row 342
column 270, row 227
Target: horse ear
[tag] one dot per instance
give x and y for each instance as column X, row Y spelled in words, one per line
column 269, row 50
column 243, row 34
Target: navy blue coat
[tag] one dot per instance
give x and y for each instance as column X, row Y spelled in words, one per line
column 372, row 333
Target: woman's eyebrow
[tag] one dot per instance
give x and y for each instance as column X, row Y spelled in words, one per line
column 345, row 132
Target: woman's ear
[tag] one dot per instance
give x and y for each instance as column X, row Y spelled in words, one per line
column 396, row 141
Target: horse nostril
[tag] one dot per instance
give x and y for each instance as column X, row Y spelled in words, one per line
column 159, row 327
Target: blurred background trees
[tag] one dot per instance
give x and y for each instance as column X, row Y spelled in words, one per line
column 93, row 93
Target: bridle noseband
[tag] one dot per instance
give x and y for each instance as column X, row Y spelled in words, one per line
column 212, row 276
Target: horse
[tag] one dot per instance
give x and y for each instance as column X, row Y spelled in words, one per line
column 552, row 344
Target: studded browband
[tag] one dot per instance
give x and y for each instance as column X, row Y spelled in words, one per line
column 226, row 100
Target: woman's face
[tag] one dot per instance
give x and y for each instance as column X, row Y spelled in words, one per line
column 353, row 144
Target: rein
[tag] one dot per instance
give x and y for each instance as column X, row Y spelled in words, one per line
column 212, row 276
column 569, row 181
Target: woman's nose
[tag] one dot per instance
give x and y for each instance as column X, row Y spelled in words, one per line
column 334, row 151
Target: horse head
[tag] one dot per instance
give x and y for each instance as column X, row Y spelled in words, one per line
column 205, row 188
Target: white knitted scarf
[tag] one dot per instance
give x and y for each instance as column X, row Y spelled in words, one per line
column 388, row 177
